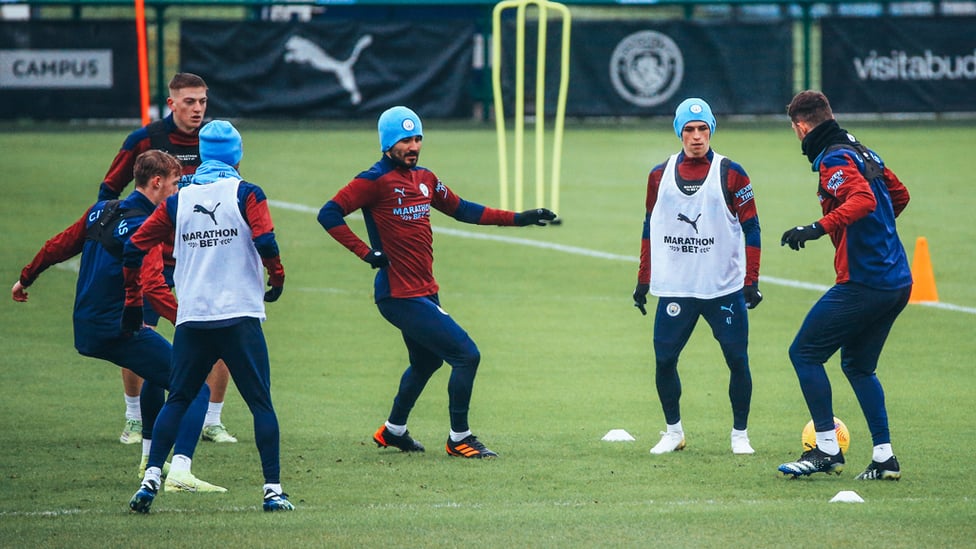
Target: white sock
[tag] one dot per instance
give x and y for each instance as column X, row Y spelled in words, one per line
column 276, row 488
column 146, row 444
column 180, row 464
column 153, row 474
column 397, row 430
column 133, row 410
column 737, row 433
column 882, row 453
column 676, row 428
column 458, row 437
column 213, row 414
column 827, row 442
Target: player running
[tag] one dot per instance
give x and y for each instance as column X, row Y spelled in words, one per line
column 396, row 196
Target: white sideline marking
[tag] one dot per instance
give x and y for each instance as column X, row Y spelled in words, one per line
column 601, row 255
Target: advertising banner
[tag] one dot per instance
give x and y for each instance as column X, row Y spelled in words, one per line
column 346, row 69
column 899, row 64
column 68, row 69
column 640, row 68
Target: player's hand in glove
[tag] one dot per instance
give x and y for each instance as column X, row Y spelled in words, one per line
column 274, row 293
column 131, row 320
column 377, row 259
column 640, row 297
column 796, row 236
column 534, row 217
column 752, row 294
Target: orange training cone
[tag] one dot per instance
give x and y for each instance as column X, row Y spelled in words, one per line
column 924, row 288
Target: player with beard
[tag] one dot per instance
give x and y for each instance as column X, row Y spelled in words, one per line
column 860, row 198
column 396, row 196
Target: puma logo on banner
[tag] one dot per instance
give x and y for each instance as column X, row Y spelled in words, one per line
column 302, row 50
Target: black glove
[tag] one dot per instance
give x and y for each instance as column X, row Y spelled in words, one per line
column 377, row 259
column 534, row 217
column 796, row 236
column 752, row 294
column 131, row 320
column 640, row 297
column 274, row 293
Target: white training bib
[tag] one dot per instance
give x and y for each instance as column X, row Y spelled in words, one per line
column 697, row 249
column 219, row 274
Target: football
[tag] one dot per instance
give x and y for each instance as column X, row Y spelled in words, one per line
column 843, row 436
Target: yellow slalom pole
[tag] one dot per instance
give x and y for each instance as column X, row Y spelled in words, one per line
column 540, row 104
column 496, row 87
column 519, row 103
column 519, row 114
column 557, row 142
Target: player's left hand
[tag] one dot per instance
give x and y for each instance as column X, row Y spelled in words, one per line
column 274, row 293
column 640, row 297
column 19, row 292
column 796, row 236
column 752, row 294
column 534, row 217
column 131, row 319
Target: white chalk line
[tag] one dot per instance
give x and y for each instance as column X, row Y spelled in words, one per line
column 575, row 250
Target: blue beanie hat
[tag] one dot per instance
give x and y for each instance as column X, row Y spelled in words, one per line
column 692, row 109
column 397, row 123
column 219, row 140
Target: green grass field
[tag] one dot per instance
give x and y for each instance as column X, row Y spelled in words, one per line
column 565, row 358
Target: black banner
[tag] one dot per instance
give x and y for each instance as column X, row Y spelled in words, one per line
column 68, row 69
column 899, row 64
column 331, row 69
column 641, row 68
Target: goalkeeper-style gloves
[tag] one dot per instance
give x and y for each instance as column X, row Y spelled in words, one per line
column 752, row 295
column 534, row 217
column 640, row 297
column 377, row 259
column 796, row 236
column 273, row 293
column 131, row 320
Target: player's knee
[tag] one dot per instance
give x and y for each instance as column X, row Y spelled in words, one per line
column 470, row 356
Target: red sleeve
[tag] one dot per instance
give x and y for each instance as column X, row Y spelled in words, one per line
column 157, row 228
column 357, row 194
column 653, row 182
column 344, row 235
column 494, row 216
column 753, row 255
column 258, row 216
column 897, row 190
column 120, row 172
column 447, row 201
column 154, row 285
column 63, row 246
column 744, row 207
column 846, row 183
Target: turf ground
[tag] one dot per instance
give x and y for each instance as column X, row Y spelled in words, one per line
column 566, row 358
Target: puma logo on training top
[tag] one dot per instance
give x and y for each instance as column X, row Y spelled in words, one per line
column 694, row 224
column 303, row 50
column 200, row 209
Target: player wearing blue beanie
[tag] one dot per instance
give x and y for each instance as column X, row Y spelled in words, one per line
column 700, row 254
column 397, row 123
column 220, row 140
column 692, row 109
column 397, row 198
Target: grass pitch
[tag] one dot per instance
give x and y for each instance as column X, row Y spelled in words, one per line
column 565, row 359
